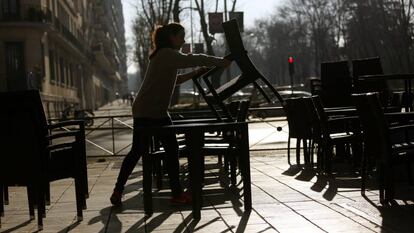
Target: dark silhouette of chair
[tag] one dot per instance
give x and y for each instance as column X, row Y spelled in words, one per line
column 299, row 127
column 332, row 135
column 389, row 146
column 315, row 86
column 370, row 66
column 216, row 97
column 220, row 143
column 32, row 158
column 336, row 84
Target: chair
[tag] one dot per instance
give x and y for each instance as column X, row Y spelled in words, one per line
column 299, row 127
column 32, row 158
column 389, row 146
column 315, row 86
column 332, row 135
column 220, row 144
column 336, row 84
column 369, row 66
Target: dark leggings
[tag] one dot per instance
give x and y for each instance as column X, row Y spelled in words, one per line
column 169, row 142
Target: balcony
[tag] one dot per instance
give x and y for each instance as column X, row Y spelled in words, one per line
column 103, row 58
column 27, row 14
column 33, row 14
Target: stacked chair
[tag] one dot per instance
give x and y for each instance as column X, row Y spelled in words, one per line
column 379, row 135
column 219, row 101
column 34, row 154
column 388, row 146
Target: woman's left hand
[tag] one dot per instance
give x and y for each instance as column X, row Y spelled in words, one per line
column 202, row 70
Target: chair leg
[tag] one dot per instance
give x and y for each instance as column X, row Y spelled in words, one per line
column 202, row 166
column 288, row 151
column 6, row 194
column 79, row 197
column 381, row 183
column 233, row 167
column 305, row 151
column 226, row 163
column 147, row 186
column 363, row 174
column 31, row 200
column 39, row 196
column 47, row 193
column 298, row 151
column 313, row 146
column 158, row 167
column 328, row 158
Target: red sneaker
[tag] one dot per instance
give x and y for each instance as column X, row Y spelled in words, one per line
column 116, row 198
column 184, row 198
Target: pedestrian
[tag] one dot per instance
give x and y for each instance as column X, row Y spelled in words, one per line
column 150, row 107
column 34, row 79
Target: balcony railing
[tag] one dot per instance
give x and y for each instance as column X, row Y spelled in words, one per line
column 34, row 14
column 28, row 13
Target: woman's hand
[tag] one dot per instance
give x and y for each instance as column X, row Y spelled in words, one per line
column 201, row 70
column 226, row 62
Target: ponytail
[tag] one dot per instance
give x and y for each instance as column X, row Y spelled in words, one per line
column 160, row 37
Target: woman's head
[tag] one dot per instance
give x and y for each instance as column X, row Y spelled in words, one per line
column 167, row 36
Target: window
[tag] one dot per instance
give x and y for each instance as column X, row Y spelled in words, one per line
column 52, row 65
column 62, row 70
column 9, row 9
column 72, row 75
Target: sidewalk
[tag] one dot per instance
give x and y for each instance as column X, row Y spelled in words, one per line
column 285, row 199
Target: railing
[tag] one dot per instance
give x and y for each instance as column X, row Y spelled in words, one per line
column 29, row 13
column 98, row 142
column 112, row 135
column 34, row 14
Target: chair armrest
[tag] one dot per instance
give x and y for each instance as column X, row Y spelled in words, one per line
column 59, row 146
column 79, row 123
column 400, row 116
column 63, row 135
column 401, row 127
column 401, row 133
column 347, row 118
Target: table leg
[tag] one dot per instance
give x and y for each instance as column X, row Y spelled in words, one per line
column 196, row 142
column 147, row 176
column 245, row 167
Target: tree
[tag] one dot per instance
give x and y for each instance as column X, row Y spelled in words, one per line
column 151, row 13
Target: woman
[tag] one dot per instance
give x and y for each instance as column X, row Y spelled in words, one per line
column 150, row 107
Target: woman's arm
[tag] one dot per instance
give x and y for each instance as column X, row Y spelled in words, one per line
column 181, row 78
column 181, row 60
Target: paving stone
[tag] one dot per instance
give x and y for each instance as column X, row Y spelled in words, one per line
column 285, row 199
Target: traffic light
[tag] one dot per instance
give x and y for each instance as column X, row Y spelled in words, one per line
column 291, row 66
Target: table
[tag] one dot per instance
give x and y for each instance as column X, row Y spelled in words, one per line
column 194, row 134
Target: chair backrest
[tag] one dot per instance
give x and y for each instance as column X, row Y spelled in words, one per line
column 336, row 84
column 312, row 115
column 370, row 66
column 322, row 117
column 366, row 66
column 374, row 125
column 23, row 130
column 297, row 120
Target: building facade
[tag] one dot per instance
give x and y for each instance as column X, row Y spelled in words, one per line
column 56, row 47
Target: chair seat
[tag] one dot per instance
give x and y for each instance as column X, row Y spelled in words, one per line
column 342, row 136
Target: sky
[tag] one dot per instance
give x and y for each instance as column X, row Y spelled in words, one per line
column 253, row 9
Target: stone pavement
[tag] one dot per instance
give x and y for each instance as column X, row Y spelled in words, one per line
column 285, row 199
